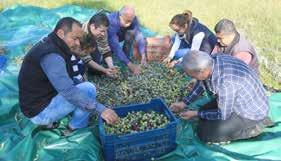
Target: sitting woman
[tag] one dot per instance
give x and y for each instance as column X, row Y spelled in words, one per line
column 190, row 35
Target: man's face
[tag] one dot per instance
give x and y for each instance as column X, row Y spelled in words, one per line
column 180, row 30
column 126, row 20
column 224, row 39
column 72, row 38
column 98, row 31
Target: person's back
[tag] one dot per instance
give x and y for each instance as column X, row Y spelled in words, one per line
column 248, row 89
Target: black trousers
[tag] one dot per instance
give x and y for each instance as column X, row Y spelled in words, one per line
column 233, row 128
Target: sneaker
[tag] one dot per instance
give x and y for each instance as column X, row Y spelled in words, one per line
column 39, row 128
column 67, row 131
column 267, row 122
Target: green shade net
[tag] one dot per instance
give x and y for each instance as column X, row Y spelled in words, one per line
column 22, row 26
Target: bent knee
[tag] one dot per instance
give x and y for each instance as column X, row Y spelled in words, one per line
column 87, row 87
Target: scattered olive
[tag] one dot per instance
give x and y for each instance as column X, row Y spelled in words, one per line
column 156, row 80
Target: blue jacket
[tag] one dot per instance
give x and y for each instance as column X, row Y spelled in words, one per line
column 116, row 34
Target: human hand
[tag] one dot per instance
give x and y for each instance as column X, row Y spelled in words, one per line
column 188, row 114
column 143, row 60
column 177, row 106
column 167, row 60
column 109, row 116
column 136, row 69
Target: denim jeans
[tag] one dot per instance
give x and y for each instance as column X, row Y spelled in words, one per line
column 59, row 107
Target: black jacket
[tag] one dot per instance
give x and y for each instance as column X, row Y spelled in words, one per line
column 209, row 41
column 35, row 90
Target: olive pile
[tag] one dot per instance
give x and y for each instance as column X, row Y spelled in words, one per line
column 156, row 80
column 137, row 121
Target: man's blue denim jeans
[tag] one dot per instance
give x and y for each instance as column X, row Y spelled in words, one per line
column 59, row 107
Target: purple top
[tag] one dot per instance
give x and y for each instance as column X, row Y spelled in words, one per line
column 116, row 34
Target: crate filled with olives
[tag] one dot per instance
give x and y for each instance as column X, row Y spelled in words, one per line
column 136, row 122
column 144, row 131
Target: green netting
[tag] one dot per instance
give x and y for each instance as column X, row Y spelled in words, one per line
column 22, row 26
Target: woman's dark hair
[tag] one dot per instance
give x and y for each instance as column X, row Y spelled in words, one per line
column 99, row 19
column 182, row 19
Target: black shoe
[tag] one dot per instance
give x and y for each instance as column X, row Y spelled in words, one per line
column 54, row 125
column 39, row 128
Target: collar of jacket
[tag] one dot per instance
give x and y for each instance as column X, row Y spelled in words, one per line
column 60, row 44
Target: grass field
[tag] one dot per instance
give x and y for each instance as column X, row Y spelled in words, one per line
column 259, row 20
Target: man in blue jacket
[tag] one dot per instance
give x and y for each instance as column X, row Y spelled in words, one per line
column 124, row 26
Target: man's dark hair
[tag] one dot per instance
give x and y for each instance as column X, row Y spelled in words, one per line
column 99, row 19
column 66, row 24
column 225, row 26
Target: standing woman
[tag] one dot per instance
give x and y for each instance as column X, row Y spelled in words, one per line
column 190, row 35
